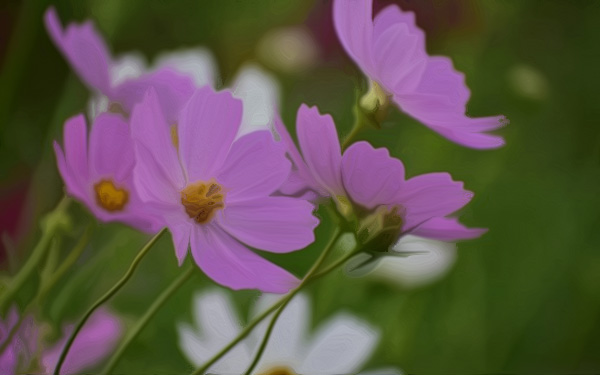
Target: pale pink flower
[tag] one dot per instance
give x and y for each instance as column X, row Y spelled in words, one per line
column 99, row 173
column 214, row 191
column 390, row 50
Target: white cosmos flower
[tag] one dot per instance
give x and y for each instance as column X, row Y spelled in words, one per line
column 258, row 89
column 412, row 262
column 341, row 345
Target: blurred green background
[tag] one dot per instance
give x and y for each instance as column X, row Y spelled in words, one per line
column 525, row 298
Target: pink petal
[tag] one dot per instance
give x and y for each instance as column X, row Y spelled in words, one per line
column 353, row 22
column 111, row 147
column 158, row 175
column 321, row 148
column 439, row 101
column 277, row 224
column 300, row 178
column 446, row 229
column 181, row 231
column 255, row 167
column 431, row 195
column 75, row 142
column 85, row 50
column 207, row 127
column 97, row 339
column 72, row 182
column 173, row 90
column 399, row 49
column 371, row 176
column 233, row 265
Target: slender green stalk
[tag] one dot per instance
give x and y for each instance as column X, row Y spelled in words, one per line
column 246, row 331
column 156, row 305
column 52, row 222
column 356, row 128
column 106, row 297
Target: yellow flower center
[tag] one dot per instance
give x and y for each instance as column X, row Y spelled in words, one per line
column 109, row 197
column 279, row 370
column 114, row 107
column 201, row 200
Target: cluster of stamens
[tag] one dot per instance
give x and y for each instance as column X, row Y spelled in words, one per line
column 110, row 197
column 202, row 200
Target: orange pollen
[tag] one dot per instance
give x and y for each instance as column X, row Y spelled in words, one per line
column 174, row 136
column 109, row 197
column 201, row 200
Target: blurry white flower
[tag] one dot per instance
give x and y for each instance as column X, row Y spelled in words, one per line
column 412, row 262
column 288, row 49
column 258, row 89
column 528, row 82
column 340, row 346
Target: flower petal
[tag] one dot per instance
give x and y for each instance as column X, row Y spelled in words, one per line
column 371, row 176
column 260, row 93
column 233, row 265
column 181, row 232
column 85, row 50
column 173, row 90
column 96, row 340
column 353, row 22
column 75, row 142
column 321, row 148
column 197, row 63
column 431, row 195
column 277, row 224
column 440, row 100
column 158, row 174
column 207, row 127
column 446, row 229
column 255, row 167
column 111, row 147
column 341, row 346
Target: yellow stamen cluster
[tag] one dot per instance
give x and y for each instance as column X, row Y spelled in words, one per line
column 201, row 200
column 109, row 197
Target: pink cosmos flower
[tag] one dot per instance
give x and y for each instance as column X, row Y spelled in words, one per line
column 100, row 174
column 94, row 342
column 390, row 50
column 371, row 178
column 214, row 191
column 87, row 53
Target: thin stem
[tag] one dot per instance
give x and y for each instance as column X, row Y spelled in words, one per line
column 52, row 223
column 306, row 279
column 356, row 128
column 156, row 305
column 138, row 258
column 246, row 331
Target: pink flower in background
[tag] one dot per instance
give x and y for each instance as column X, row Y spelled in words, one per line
column 94, row 342
column 99, row 173
column 87, row 53
column 214, row 190
column 390, row 50
column 371, row 178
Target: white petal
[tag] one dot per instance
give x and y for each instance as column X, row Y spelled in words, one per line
column 259, row 91
column 197, row 63
column 217, row 324
column 287, row 344
column 419, row 269
column 341, row 346
column 127, row 66
column 97, row 104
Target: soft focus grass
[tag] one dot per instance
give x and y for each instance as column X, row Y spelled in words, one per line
column 523, row 298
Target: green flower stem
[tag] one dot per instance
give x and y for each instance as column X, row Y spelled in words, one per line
column 358, row 126
column 246, row 331
column 106, row 297
column 52, row 222
column 156, row 305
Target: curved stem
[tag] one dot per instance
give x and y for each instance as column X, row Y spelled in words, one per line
column 52, row 223
column 105, row 298
column 246, row 331
column 152, row 310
